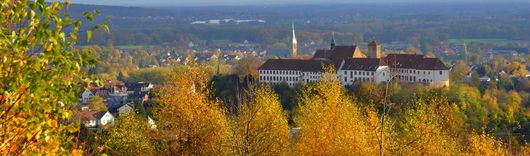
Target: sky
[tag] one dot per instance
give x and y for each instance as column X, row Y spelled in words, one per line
column 268, row 2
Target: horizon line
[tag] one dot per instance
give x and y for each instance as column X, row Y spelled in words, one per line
column 304, row 4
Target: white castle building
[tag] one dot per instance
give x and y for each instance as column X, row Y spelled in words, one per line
column 352, row 66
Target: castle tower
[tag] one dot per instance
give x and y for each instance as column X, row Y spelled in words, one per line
column 374, row 49
column 333, row 40
column 294, row 51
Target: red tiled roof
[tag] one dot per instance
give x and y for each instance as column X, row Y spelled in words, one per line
column 294, row 64
column 322, row 54
column 373, row 43
column 337, row 53
column 366, row 64
column 414, row 61
column 91, row 115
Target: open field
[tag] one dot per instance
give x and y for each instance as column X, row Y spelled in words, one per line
column 489, row 41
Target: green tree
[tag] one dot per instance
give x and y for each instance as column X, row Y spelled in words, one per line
column 459, row 72
column 97, row 103
column 424, row 128
column 121, row 77
column 129, row 136
column 40, row 68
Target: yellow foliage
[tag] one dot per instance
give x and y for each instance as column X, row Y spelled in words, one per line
column 425, row 130
column 484, row 144
column 261, row 127
column 189, row 123
column 331, row 124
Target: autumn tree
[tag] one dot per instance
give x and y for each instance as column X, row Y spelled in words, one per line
column 248, row 65
column 188, row 122
column 97, row 103
column 330, row 124
column 39, row 73
column 425, row 129
column 129, row 136
column 483, row 144
column 261, row 126
column 459, row 71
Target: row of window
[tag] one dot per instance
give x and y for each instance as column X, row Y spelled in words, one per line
column 279, row 72
column 277, row 78
column 409, row 71
column 363, row 73
column 411, row 79
column 362, row 79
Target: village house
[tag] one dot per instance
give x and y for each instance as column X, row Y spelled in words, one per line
column 124, row 110
column 86, row 96
column 95, row 118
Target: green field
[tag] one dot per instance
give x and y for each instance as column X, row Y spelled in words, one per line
column 489, row 41
column 132, row 46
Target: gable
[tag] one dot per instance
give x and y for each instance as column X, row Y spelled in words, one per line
column 357, row 53
column 107, row 116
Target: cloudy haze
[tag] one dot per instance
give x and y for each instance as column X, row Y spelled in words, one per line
column 257, row 2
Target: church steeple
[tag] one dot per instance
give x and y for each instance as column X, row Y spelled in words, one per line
column 333, row 40
column 294, row 51
column 218, row 73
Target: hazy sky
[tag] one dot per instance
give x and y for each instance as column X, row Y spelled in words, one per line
column 257, row 2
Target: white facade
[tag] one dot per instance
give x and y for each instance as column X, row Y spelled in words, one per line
column 435, row 78
column 90, row 123
column 275, row 77
column 348, row 77
column 311, row 76
column 86, row 96
column 106, row 119
column 291, row 77
column 124, row 110
column 151, row 122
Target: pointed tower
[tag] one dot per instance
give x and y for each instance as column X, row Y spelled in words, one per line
column 294, row 51
column 465, row 52
column 333, row 40
column 218, row 73
column 374, row 49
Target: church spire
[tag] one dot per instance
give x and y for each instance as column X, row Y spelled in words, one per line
column 333, row 40
column 294, row 51
column 218, row 73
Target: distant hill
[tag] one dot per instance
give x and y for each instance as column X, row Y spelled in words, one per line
column 118, row 11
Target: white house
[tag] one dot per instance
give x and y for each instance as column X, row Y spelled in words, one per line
column 124, row 110
column 151, row 122
column 104, row 118
column 363, row 70
column 93, row 118
column 86, row 96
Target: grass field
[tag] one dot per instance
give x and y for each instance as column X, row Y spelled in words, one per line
column 132, row 46
column 491, row 41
